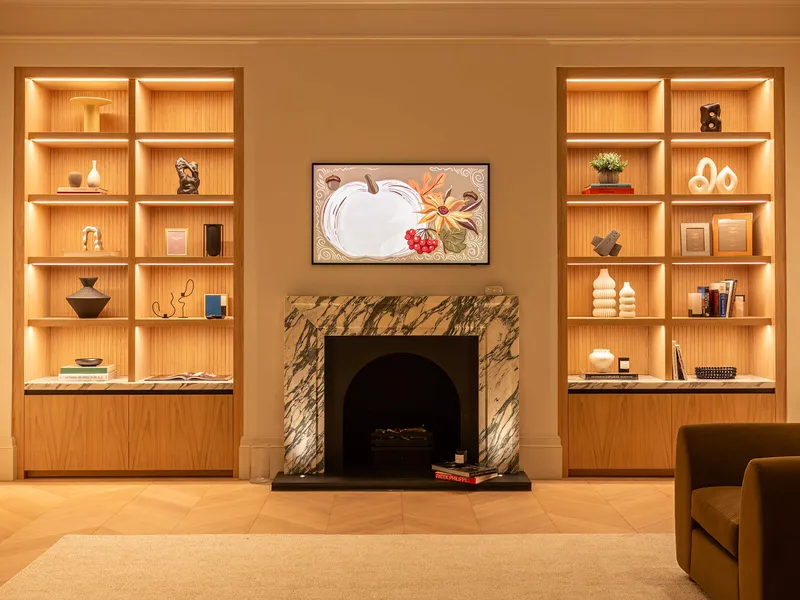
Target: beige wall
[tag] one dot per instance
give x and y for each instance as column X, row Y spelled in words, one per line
column 367, row 99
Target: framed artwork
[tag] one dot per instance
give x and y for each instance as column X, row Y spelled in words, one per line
column 695, row 239
column 733, row 234
column 415, row 213
column 177, row 242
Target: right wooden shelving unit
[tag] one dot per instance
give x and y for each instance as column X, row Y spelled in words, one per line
column 652, row 118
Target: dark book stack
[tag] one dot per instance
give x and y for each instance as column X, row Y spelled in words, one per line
column 718, row 298
column 608, row 188
column 470, row 474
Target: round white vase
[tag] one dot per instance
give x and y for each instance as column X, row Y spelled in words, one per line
column 604, row 303
column 627, row 301
column 601, row 359
column 93, row 179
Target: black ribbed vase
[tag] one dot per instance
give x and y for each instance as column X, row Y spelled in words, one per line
column 87, row 302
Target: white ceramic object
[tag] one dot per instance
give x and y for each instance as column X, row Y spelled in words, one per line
column 727, row 181
column 91, row 111
column 93, row 179
column 605, row 302
column 601, row 359
column 700, row 184
column 627, row 301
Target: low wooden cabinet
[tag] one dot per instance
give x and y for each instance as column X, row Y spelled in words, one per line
column 636, row 433
column 143, row 433
column 68, row 433
column 181, row 433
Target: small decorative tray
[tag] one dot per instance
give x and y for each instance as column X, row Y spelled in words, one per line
column 715, row 372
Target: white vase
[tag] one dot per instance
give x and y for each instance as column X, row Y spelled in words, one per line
column 627, row 301
column 93, row 179
column 700, row 184
column 727, row 181
column 604, row 294
column 601, row 359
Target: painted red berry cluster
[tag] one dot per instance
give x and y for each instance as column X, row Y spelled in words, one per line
column 422, row 245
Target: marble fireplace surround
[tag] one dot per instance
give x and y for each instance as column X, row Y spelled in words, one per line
column 308, row 319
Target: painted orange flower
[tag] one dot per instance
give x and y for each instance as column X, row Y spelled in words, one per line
column 443, row 211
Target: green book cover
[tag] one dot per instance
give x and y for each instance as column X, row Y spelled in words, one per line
column 99, row 370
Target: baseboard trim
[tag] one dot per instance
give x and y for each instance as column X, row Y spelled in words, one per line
column 541, row 457
column 8, row 459
column 128, row 474
column 622, row 472
column 276, row 451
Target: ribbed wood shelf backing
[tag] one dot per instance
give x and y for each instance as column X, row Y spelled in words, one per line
column 112, row 164
column 763, row 241
column 634, row 223
column 580, row 288
column 684, row 166
column 67, row 223
column 153, row 220
column 633, row 342
column 108, row 343
column 156, row 283
column 215, row 167
column 68, row 116
column 580, row 173
column 607, row 112
column 686, row 109
column 717, row 347
column 177, row 349
column 190, row 112
column 686, row 278
column 63, row 281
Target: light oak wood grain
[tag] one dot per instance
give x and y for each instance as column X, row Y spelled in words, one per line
column 690, row 409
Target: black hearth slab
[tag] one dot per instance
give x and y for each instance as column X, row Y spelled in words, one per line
column 519, row 482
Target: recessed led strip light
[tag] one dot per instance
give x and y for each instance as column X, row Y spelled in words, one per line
column 79, row 203
column 613, row 141
column 80, row 79
column 611, row 202
column 613, row 80
column 186, row 140
column 77, row 264
column 185, row 264
column 720, row 79
column 722, row 263
column 186, row 79
column 190, row 203
column 615, row 264
column 66, row 140
column 721, row 202
column 711, row 140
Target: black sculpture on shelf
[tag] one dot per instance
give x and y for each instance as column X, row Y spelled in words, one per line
column 189, row 176
column 608, row 245
column 88, row 302
column 184, row 295
column 156, row 308
column 709, row 118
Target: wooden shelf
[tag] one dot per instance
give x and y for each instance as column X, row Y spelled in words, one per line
column 52, row 261
column 185, row 200
column 79, row 199
column 80, row 139
column 187, row 322
column 614, row 140
column 634, row 322
column 615, row 199
column 186, row 140
column 615, row 260
column 721, row 321
column 718, row 199
column 729, row 260
column 719, row 140
column 151, row 261
column 76, row 322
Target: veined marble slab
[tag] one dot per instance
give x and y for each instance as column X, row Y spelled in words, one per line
column 50, row 384
column 646, row 382
column 308, row 319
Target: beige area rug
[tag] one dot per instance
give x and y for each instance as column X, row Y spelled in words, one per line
column 364, row 567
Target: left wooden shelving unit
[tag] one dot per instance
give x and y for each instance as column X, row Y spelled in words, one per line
column 155, row 116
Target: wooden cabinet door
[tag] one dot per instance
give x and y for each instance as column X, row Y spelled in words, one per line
column 76, row 433
column 617, row 431
column 181, row 433
column 722, row 408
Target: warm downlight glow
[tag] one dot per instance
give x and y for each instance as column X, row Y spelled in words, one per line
column 721, row 80
column 79, row 79
column 615, row 80
column 80, row 140
column 188, row 203
column 186, row 264
column 612, row 203
column 612, row 141
column 78, row 264
column 719, row 202
column 185, row 140
column 712, row 140
column 80, row 203
column 186, row 79
column 615, row 264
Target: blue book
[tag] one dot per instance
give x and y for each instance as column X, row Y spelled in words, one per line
column 723, row 304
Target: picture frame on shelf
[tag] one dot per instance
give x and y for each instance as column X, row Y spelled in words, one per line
column 177, row 241
column 695, row 239
column 733, row 234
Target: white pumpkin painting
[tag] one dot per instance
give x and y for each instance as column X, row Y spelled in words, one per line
column 401, row 214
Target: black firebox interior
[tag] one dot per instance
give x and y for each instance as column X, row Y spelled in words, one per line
column 375, row 383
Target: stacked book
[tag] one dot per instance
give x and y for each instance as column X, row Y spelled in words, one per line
column 718, row 298
column 678, row 366
column 471, row 474
column 99, row 373
column 81, row 190
column 608, row 188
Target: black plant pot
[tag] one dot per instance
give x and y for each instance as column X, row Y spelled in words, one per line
column 87, row 302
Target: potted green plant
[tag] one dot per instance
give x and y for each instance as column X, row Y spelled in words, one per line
column 608, row 166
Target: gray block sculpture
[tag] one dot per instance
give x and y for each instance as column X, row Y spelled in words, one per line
column 608, row 245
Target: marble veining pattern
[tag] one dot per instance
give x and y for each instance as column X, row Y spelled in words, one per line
column 50, row 384
column 646, row 382
column 308, row 319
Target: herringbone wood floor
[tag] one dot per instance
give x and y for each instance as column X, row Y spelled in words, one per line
column 34, row 514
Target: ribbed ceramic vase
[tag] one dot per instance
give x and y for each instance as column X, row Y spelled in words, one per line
column 87, row 302
column 605, row 303
column 627, row 301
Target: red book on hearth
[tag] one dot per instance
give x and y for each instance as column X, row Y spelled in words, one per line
column 459, row 479
column 591, row 190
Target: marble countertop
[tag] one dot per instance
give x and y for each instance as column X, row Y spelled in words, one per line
column 51, row 384
column 646, row 382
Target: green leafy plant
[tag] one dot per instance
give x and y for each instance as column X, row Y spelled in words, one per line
column 608, row 161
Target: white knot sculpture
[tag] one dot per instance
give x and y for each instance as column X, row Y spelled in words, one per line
column 725, row 180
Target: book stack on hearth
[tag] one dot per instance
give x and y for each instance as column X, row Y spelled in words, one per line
column 608, row 188
column 98, row 373
column 461, row 473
